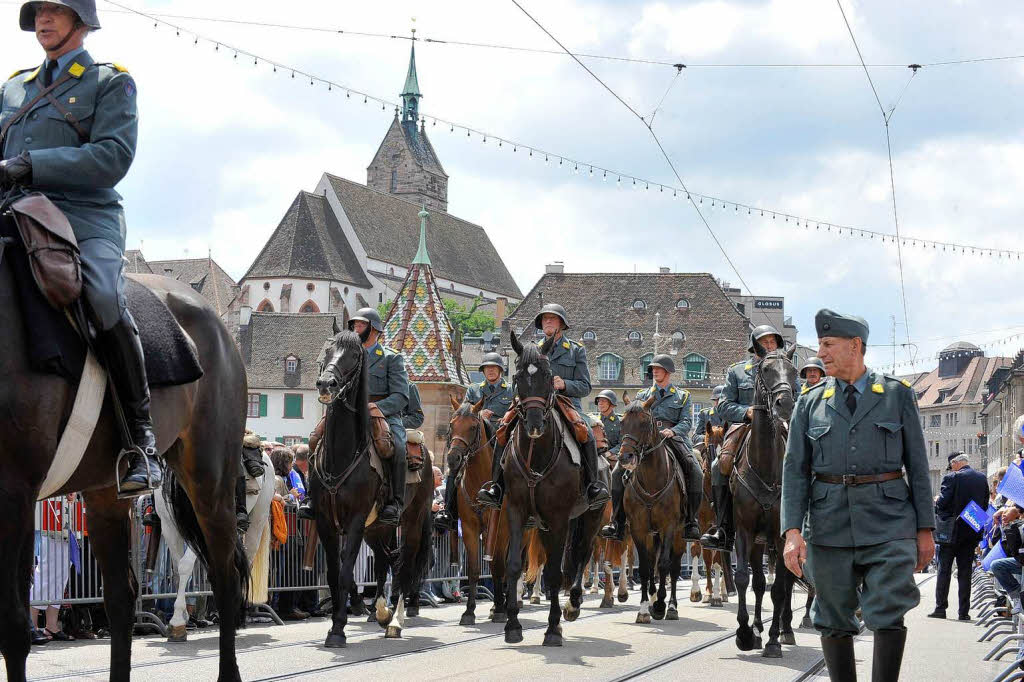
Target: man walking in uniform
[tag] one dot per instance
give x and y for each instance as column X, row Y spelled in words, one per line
column 850, row 440
column 69, row 129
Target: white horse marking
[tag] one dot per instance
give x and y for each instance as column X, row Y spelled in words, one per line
column 531, row 369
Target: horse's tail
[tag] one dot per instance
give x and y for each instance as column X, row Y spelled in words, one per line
column 188, row 525
column 535, row 557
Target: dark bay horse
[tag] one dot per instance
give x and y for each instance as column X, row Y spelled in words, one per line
column 717, row 565
column 544, row 483
column 199, row 428
column 342, row 483
column 756, row 483
column 655, row 504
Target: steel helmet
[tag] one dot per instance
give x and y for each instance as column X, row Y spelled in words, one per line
column 761, row 332
column 609, row 395
column 85, row 9
column 368, row 315
column 553, row 309
column 717, row 391
column 663, row 361
column 492, row 360
column 812, row 362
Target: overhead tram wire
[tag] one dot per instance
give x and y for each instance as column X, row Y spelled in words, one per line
column 657, row 141
column 892, row 179
column 820, row 225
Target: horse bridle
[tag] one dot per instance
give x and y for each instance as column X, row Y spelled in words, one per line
column 469, row 449
column 638, row 449
column 773, row 391
column 345, row 381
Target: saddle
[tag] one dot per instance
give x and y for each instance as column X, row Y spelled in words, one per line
column 380, row 434
column 579, row 427
column 732, row 446
column 55, row 347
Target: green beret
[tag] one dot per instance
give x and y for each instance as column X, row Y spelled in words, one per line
column 830, row 323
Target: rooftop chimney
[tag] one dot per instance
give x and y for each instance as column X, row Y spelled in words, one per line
column 664, row 270
column 500, row 310
column 556, row 268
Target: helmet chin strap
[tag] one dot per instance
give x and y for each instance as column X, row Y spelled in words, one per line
column 74, row 29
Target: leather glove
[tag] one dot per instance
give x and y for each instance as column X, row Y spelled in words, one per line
column 16, row 171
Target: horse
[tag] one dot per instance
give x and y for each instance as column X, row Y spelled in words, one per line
column 543, row 483
column 184, row 558
column 198, row 426
column 608, row 555
column 655, row 504
column 717, row 566
column 756, row 482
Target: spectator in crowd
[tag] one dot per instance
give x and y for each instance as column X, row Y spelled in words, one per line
column 1007, row 571
column 52, row 569
column 281, row 457
column 296, row 481
column 309, row 600
column 301, row 464
column 285, row 561
column 960, row 487
column 438, row 503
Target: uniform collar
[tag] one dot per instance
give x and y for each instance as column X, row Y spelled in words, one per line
column 65, row 60
column 74, row 62
column 500, row 383
column 860, row 385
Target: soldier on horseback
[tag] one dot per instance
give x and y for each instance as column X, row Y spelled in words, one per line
column 671, row 412
column 496, row 393
column 68, row 129
column 606, row 402
column 572, row 379
column 737, row 409
column 708, row 415
column 812, row 372
column 389, row 389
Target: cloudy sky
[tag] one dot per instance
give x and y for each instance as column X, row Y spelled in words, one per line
column 225, row 144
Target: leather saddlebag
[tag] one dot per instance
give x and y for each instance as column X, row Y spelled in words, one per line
column 573, row 418
column 380, row 432
column 733, row 440
column 52, row 249
column 507, row 422
column 414, row 449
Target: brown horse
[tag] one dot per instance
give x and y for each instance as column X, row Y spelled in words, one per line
column 716, row 564
column 609, row 555
column 198, row 427
column 655, row 504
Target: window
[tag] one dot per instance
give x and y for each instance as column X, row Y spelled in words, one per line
column 589, row 335
column 678, row 339
column 394, row 180
column 609, row 367
column 974, row 417
column 696, row 367
column 257, row 405
column 380, row 297
column 291, row 364
column 645, row 362
column 935, row 421
column 682, row 304
column 309, row 307
column 293, row 406
column 293, row 440
column 265, row 307
column 639, row 304
column 936, row 448
column 741, row 309
column 635, row 336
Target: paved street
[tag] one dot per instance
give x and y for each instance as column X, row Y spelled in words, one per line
column 601, row 645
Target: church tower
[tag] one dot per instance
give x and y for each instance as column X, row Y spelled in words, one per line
column 406, row 164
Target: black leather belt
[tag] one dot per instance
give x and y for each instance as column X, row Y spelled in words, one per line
column 377, row 398
column 662, row 424
column 852, row 479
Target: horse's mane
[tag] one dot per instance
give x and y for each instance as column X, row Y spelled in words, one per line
column 634, row 407
column 532, row 354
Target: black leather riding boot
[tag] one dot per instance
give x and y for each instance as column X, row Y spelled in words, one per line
column 694, row 495
column 391, row 515
column 888, row 655
column 597, row 491
column 616, row 530
column 720, row 535
column 838, row 652
column 447, row 518
column 122, row 351
column 241, row 513
column 252, row 462
column 493, row 491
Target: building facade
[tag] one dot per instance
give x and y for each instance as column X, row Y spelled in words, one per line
column 1002, row 403
column 763, row 310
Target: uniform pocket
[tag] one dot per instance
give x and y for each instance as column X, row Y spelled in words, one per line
column 816, row 434
column 892, row 437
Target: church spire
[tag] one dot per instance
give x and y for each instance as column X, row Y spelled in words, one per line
column 411, row 92
column 422, row 258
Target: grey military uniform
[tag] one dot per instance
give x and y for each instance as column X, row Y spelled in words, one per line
column 389, row 388
column 709, row 415
column 413, row 417
column 671, row 410
column 497, row 398
column 738, row 393
column 79, row 175
column 569, row 360
column 858, row 533
column 612, row 431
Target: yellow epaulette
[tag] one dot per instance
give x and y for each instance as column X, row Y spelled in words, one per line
column 20, row 71
column 119, row 67
column 898, row 380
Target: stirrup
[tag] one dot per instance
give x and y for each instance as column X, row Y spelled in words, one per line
column 134, row 450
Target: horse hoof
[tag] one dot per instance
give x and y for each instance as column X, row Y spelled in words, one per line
column 606, row 603
column 535, row 599
column 671, row 614
column 772, row 651
column 643, row 618
column 696, row 597
column 552, row 639
column 393, row 632
column 658, row 610
column 806, row 623
column 593, row 590
column 383, row 613
column 513, row 636
column 570, row 613
column 745, row 640
column 622, row 596
column 757, row 643
column 335, row 640
column 499, row 617
column 716, row 603
column 412, row 612
column 371, row 618
column 467, row 619
column 787, row 638
column 178, row 633
column 519, row 604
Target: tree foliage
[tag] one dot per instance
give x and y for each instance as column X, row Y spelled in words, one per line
column 471, row 321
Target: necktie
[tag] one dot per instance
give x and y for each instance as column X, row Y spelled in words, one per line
column 48, row 72
column 851, row 398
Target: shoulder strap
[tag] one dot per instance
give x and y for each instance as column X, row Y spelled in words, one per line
column 20, row 113
column 83, row 136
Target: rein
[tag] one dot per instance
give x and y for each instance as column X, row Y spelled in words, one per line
column 640, row 450
column 766, row 495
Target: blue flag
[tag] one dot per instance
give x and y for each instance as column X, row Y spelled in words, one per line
column 974, row 516
column 76, row 553
column 993, row 554
column 991, row 518
column 1012, row 485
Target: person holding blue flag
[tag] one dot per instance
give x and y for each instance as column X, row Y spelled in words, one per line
column 960, row 488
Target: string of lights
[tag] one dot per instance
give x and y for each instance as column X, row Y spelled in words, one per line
column 959, row 353
column 589, row 169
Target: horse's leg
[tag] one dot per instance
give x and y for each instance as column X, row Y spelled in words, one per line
column 535, row 590
column 773, row 648
column 623, row 593
column 581, row 544
column 805, row 622
column 786, row 635
column 186, row 563
column 675, row 568
column 554, row 544
column 695, row 595
column 513, row 569
column 470, row 535
column 332, row 554
column 744, row 634
column 110, row 539
column 499, row 569
column 664, row 557
column 760, row 586
column 643, row 549
column 16, row 527
column 609, row 580
column 718, row 596
column 381, row 565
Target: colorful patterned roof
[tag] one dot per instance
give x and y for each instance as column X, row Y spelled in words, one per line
column 417, row 325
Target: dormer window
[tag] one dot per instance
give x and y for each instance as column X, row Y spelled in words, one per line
column 682, row 304
column 589, row 335
column 635, row 337
column 639, row 304
column 291, row 364
column 678, row 339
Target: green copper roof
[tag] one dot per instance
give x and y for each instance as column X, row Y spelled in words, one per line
column 412, row 83
column 421, row 253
